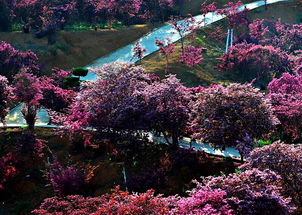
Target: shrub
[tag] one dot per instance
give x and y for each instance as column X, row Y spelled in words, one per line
column 79, row 71
column 69, row 205
column 119, row 202
column 71, row 82
column 29, row 144
column 66, row 181
column 7, row 169
column 285, row 160
column 252, row 192
column 203, row 200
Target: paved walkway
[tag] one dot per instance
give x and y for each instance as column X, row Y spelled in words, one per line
column 125, row 54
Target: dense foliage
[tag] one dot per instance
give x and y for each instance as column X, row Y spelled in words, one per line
column 5, row 98
column 285, row 160
column 12, row 61
column 245, row 62
column 65, row 180
column 252, row 192
column 126, row 99
column 287, row 37
column 285, row 95
column 256, row 192
column 223, row 115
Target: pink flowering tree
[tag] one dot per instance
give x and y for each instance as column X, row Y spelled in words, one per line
column 26, row 12
column 183, row 26
column 27, row 90
column 5, row 98
column 138, row 51
column 53, row 15
column 155, row 10
column 245, row 62
column 13, row 60
column 286, row 36
column 54, row 97
column 191, row 56
column 122, row 9
column 165, row 49
column 236, row 16
column 207, row 8
column 223, row 115
column 283, row 159
column 285, row 95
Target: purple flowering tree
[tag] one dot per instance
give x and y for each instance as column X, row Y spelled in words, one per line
column 223, row 115
column 111, row 101
column 167, row 107
column 283, row 159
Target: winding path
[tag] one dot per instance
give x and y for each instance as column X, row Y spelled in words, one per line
column 15, row 119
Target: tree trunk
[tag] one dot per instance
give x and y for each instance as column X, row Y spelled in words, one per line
column 167, row 63
column 175, row 141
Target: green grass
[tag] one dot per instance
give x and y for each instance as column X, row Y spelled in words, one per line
column 87, row 26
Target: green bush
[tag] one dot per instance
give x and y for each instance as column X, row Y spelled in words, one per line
column 70, row 82
column 79, row 71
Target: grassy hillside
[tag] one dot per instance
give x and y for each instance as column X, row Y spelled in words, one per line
column 77, row 48
column 205, row 73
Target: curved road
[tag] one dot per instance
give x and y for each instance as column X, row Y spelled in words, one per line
column 125, row 54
